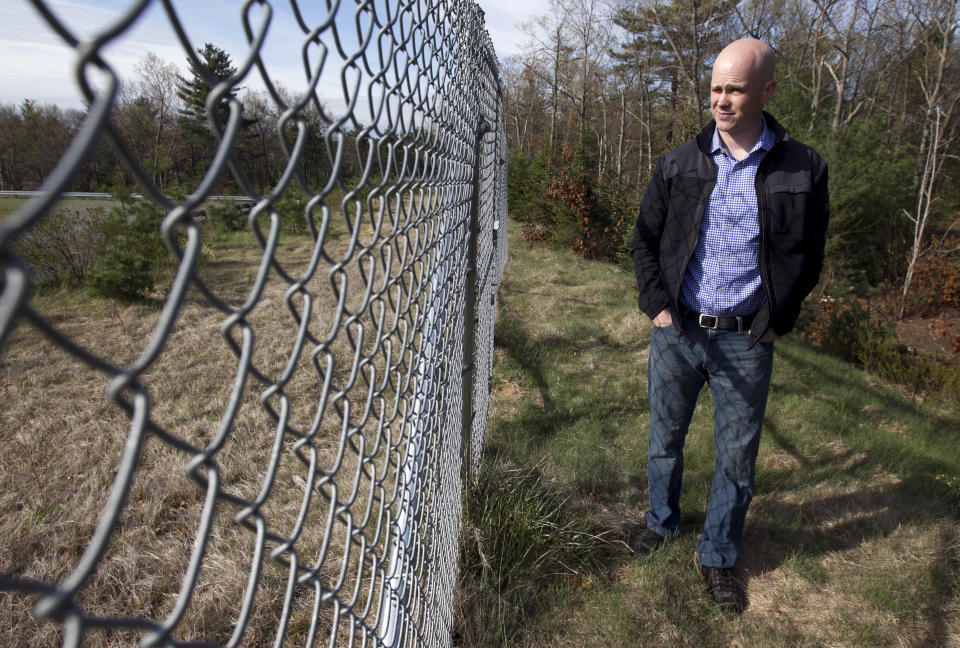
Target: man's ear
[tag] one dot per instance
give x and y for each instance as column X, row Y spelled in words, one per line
column 769, row 90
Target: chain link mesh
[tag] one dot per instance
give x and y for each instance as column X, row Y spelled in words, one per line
column 315, row 498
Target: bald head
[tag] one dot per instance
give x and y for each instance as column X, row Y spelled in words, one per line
column 749, row 56
column 741, row 83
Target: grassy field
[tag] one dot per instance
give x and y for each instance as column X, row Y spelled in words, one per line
column 62, row 437
column 9, row 204
column 853, row 538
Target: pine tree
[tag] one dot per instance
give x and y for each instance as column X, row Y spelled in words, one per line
column 193, row 92
column 196, row 129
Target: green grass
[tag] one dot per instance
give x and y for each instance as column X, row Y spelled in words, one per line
column 852, row 538
column 9, row 204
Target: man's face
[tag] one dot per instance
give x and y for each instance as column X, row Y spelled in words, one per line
column 737, row 95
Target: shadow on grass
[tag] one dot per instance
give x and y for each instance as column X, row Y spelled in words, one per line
column 827, row 377
column 893, row 478
column 815, row 527
column 534, row 356
column 840, row 520
column 589, row 423
column 944, row 576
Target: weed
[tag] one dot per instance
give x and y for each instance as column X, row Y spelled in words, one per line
column 63, row 247
column 227, row 216
column 519, row 543
column 851, row 329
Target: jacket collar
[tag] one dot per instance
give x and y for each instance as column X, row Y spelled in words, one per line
column 705, row 136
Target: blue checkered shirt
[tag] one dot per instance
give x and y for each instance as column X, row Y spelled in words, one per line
column 723, row 277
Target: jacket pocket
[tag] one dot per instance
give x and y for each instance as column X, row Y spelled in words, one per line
column 796, row 188
column 788, row 210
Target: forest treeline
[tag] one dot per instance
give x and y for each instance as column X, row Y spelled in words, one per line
column 603, row 89
column 162, row 117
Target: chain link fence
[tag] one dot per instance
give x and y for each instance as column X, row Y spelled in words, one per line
column 280, row 463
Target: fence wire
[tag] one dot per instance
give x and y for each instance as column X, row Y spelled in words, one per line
column 314, row 499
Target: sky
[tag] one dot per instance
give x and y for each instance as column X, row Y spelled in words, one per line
column 35, row 63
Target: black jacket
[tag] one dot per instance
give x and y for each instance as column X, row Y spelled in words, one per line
column 793, row 210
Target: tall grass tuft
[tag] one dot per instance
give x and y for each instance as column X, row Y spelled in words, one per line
column 520, row 545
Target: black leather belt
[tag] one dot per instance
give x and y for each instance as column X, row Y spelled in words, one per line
column 740, row 323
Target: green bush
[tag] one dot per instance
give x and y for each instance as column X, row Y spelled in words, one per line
column 527, row 182
column 134, row 256
column 851, row 330
column 560, row 200
column 291, row 207
column 867, row 241
column 227, row 216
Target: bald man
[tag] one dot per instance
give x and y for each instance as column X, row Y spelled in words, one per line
column 728, row 242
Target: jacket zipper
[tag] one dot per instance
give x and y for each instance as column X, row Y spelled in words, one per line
column 701, row 207
column 763, row 223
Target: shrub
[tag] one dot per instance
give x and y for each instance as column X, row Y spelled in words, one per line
column 291, row 206
column 562, row 202
column 867, row 241
column 851, row 330
column 227, row 216
column 134, row 255
column 64, row 246
column 936, row 279
column 527, row 182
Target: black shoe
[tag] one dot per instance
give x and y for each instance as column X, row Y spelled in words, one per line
column 722, row 586
column 646, row 542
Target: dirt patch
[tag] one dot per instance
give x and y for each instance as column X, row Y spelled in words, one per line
column 508, row 392
column 931, row 334
column 782, row 461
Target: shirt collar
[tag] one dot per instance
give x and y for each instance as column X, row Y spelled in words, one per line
column 765, row 143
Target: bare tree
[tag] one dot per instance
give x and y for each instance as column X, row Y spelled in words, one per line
column 937, row 22
column 158, row 85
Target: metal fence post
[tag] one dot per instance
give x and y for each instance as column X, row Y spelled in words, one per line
column 470, row 307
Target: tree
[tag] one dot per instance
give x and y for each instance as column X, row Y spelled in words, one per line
column 45, row 132
column 197, row 128
column 937, row 20
column 158, row 86
column 9, row 147
column 550, row 59
column 682, row 35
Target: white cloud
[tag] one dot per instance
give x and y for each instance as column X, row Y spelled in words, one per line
column 36, row 63
column 503, row 19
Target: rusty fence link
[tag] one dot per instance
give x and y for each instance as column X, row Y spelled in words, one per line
column 280, row 464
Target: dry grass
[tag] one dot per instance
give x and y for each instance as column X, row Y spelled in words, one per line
column 62, row 439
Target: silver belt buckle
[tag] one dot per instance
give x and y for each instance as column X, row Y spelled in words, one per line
column 701, row 319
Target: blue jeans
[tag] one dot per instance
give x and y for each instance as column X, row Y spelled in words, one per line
column 739, row 379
